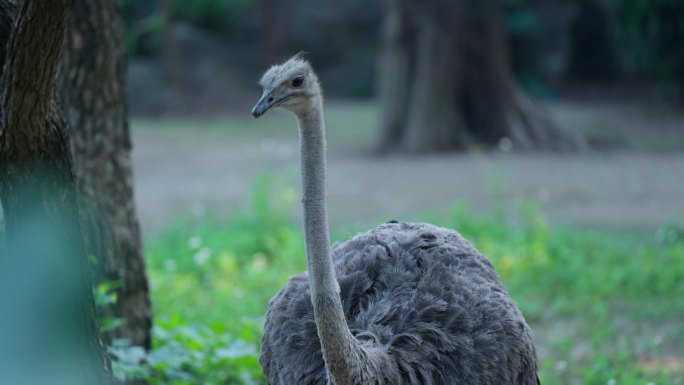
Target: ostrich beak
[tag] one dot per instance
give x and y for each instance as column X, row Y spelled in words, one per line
column 263, row 105
column 269, row 100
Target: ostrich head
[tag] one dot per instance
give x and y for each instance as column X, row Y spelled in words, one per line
column 291, row 85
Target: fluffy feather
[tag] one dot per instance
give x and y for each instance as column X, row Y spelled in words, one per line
column 420, row 293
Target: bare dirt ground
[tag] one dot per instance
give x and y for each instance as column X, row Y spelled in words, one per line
column 633, row 179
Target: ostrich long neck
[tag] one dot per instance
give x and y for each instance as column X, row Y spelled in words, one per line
column 343, row 355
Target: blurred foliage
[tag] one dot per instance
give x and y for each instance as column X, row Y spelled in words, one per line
column 211, row 14
column 608, row 38
column 105, row 294
column 524, row 28
column 143, row 25
column 189, row 355
column 637, row 37
column 144, row 19
column 212, row 278
column 651, row 36
column 520, row 18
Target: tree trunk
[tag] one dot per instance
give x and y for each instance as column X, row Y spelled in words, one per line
column 433, row 96
column 50, row 333
column 461, row 90
column 394, row 71
column 486, row 85
column 92, row 88
column 7, row 15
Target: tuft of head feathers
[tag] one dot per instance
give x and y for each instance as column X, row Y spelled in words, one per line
column 284, row 72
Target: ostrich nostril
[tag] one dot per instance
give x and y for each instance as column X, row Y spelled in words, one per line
column 270, row 99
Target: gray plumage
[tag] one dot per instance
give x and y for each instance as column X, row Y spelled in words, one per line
column 422, row 294
column 401, row 304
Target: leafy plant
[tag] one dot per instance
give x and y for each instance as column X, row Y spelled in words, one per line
column 104, row 295
column 188, row 355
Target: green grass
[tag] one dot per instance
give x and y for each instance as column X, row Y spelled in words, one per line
column 605, row 309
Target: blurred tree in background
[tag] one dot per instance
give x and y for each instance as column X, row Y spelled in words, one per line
column 91, row 87
column 591, row 56
column 445, row 81
column 546, row 47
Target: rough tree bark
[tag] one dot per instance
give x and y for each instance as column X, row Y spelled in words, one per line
column 451, row 88
column 50, row 333
column 91, row 86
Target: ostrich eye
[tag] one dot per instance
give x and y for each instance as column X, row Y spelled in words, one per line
column 298, row 81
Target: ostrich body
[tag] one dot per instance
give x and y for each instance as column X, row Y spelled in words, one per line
column 403, row 303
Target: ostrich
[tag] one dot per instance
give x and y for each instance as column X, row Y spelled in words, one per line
column 403, row 303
